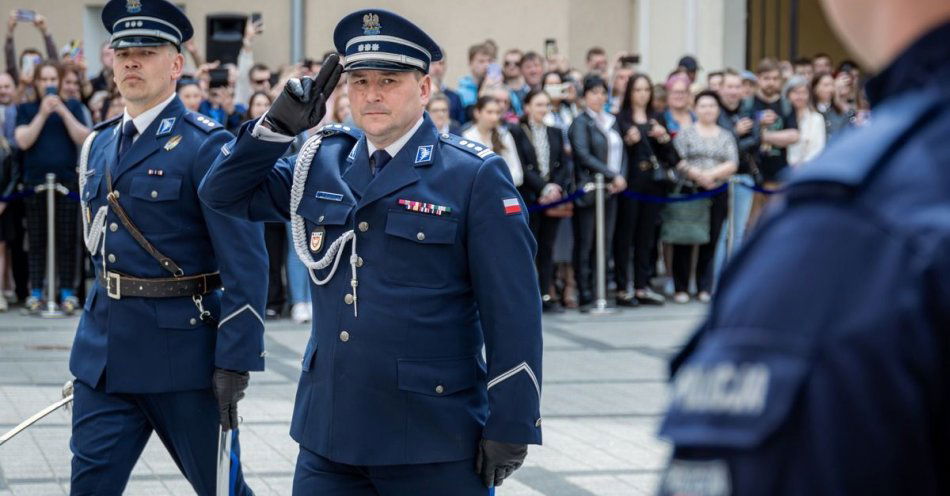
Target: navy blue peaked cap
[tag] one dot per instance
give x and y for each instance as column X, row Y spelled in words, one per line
column 139, row 23
column 382, row 40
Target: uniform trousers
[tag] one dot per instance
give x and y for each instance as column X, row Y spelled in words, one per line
column 318, row 476
column 110, row 431
column 544, row 229
column 67, row 244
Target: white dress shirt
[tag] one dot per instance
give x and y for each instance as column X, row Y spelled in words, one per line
column 510, row 154
column 145, row 119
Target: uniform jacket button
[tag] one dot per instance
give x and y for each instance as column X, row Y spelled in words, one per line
column 439, row 389
column 193, row 321
column 113, row 227
column 364, row 226
column 154, row 194
column 322, row 217
column 111, row 258
column 538, row 422
column 344, row 336
column 359, row 261
column 421, row 236
column 348, row 299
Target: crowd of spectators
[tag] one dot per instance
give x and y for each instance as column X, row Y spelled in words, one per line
column 557, row 127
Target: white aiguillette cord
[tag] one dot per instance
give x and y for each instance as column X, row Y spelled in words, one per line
column 92, row 233
column 299, row 232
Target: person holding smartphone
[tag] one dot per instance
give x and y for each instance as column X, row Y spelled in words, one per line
column 9, row 49
column 49, row 131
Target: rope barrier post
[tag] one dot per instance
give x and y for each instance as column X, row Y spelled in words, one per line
column 52, row 309
column 731, row 212
column 600, row 304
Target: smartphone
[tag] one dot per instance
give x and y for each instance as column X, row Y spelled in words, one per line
column 556, row 90
column 219, row 78
column 494, row 71
column 550, row 48
column 51, row 90
column 630, row 60
column 256, row 20
column 25, row 15
column 30, row 61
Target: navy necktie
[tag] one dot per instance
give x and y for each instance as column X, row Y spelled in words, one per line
column 378, row 160
column 128, row 134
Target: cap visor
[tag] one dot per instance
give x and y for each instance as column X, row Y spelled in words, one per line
column 379, row 65
column 139, row 41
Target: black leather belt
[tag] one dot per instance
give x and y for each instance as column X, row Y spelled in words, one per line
column 120, row 285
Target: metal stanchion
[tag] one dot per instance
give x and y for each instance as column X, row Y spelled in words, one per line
column 730, row 216
column 600, row 304
column 52, row 308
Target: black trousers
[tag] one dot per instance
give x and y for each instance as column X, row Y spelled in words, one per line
column 544, row 229
column 636, row 228
column 275, row 240
column 585, row 259
column 67, row 244
column 682, row 254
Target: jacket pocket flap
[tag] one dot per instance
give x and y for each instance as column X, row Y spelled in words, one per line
column 733, row 395
column 323, row 212
column 90, row 190
column 155, row 189
column 438, row 377
column 421, row 228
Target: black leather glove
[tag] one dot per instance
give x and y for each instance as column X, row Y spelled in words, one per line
column 302, row 103
column 496, row 460
column 229, row 388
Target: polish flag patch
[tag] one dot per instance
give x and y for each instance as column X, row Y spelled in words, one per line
column 512, row 206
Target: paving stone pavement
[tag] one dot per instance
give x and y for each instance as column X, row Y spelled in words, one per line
column 604, row 391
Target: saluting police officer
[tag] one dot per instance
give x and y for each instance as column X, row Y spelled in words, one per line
column 159, row 347
column 823, row 365
column 437, row 260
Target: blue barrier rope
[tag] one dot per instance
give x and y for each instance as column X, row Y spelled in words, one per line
column 658, row 199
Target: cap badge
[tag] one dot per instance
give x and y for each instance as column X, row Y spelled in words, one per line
column 371, row 24
column 133, row 6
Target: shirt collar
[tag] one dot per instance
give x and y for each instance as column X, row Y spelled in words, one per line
column 397, row 145
column 144, row 120
column 923, row 63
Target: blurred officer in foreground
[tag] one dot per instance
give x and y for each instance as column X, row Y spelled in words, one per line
column 395, row 397
column 159, row 347
column 823, row 365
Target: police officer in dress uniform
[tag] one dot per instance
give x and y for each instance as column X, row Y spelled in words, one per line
column 160, row 347
column 420, row 253
column 823, row 366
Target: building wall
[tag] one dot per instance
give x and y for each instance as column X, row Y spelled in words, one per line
column 660, row 30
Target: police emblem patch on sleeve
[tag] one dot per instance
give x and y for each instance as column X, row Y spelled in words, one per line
column 316, row 239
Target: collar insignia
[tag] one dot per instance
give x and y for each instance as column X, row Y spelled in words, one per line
column 165, row 127
column 424, row 154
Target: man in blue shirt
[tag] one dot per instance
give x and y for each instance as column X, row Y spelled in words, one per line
column 822, row 367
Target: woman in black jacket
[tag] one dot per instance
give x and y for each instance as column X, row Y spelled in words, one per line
column 650, row 152
column 547, row 178
column 598, row 149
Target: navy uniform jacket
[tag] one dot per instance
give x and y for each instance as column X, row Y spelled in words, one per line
column 405, row 381
column 159, row 344
column 823, row 367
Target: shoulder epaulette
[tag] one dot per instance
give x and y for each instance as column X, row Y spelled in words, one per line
column 334, row 129
column 477, row 149
column 202, row 122
column 107, row 123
